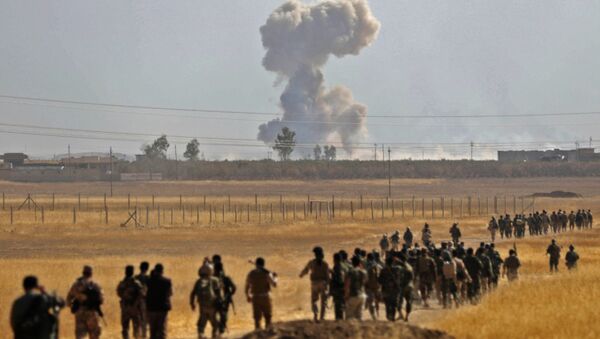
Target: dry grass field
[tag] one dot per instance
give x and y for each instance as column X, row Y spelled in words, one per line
column 538, row 306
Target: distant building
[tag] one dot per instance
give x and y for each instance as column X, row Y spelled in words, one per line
column 88, row 162
column 14, row 159
column 580, row 154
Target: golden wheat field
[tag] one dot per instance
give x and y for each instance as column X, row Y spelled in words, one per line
column 539, row 305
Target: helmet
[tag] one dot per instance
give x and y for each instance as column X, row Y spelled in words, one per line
column 206, row 269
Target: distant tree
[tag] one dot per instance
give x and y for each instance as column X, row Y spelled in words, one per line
column 317, row 152
column 158, row 149
column 284, row 143
column 330, row 152
column 191, row 150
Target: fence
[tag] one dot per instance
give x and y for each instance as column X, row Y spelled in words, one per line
column 214, row 210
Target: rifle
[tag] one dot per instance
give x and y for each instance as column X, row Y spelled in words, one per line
column 515, row 247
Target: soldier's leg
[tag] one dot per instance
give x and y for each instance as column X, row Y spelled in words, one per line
column 201, row 324
column 125, row 323
column 81, row 330
column 93, row 325
column 370, row 303
column 338, row 303
column 223, row 316
column 136, row 323
column 267, row 311
column 256, row 312
column 314, row 298
column 323, row 296
column 408, row 300
column 214, row 323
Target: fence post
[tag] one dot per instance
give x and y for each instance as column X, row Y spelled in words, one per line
column 11, row 215
column 372, row 212
column 74, row 216
column 432, row 209
column 351, row 209
column 333, row 206
column 197, row 214
column 248, row 219
column 106, row 214
column 128, row 201
column 210, row 215
column 451, row 208
column 393, row 209
column 183, row 214
column 469, row 205
column 271, row 212
column 79, row 201
column 42, row 215
column 53, row 201
column 256, row 202
column 147, row 215
column 423, row 207
column 223, row 213
column 514, row 204
column 382, row 210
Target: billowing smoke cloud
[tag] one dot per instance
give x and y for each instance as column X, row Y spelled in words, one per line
column 299, row 39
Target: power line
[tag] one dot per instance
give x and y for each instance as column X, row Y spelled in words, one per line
column 248, row 112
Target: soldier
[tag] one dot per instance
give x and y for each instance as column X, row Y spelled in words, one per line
column 384, row 244
column 545, row 222
column 319, row 282
column 258, row 287
column 390, row 289
column 35, row 314
column 571, row 218
column 564, row 220
column 455, row 233
column 85, row 298
column 131, row 293
column 406, row 285
column 554, row 222
column 474, row 268
column 143, row 278
column 372, row 287
column 501, row 226
column 493, row 228
column 553, row 252
column 590, row 218
column 426, row 235
column 336, row 286
column 571, row 258
column 487, row 271
column 206, row 292
column 462, row 276
column 426, row 272
column 449, row 288
column 228, row 289
column 356, row 279
column 579, row 219
column 408, row 238
column 158, row 302
column 511, row 266
column 395, row 240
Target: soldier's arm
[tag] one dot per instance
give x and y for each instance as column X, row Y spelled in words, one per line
column 120, row 290
column 273, row 279
column 247, row 287
column 231, row 286
column 193, row 295
column 100, row 294
column 305, row 270
column 72, row 295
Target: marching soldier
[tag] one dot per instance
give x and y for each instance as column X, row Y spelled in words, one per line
column 319, row 282
column 511, row 266
column 206, row 292
column 553, row 252
column 408, row 238
column 426, row 271
column 389, row 278
column 85, row 298
column 228, row 289
column 493, row 228
column 143, row 278
column 258, row 287
column 336, row 286
column 455, row 233
column 372, row 287
column 571, row 258
column 426, row 235
column 35, row 314
column 131, row 293
column 356, row 279
column 384, row 244
column 158, row 302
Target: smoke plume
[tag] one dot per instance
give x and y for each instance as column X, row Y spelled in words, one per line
column 299, row 38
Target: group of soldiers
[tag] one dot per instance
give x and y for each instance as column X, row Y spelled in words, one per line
column 401, row 272
column 539, row 223
column 145, row 301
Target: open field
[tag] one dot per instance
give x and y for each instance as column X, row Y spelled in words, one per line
column 57, row 250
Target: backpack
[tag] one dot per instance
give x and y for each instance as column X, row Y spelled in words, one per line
column 132, row 292
column 449, row 270
column 205, row 292
column 356, row 277
column 32, row 323
column 93, row 298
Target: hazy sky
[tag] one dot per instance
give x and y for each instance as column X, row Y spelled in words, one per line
column 430, row 58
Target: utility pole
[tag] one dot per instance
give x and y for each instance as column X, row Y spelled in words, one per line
column 111, row 172
column 375, row 152
column 69, row 158
column 383, row 153
column 472, row 151
column 590, row 142
column 176, row 164
column 389, row 173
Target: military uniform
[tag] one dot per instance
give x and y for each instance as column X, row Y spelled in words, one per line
column 571, row 259
column 356, row 280
column 87, row 316
column 511, row 267
column 132, row 293
column 206, row 291
column 372, row 287
column 426, row 272
column 389, row 278
column 35, row 315
column 336, row 289
column 259, row 282
column 319, row 283
column 474, row 268
column 554, row 252
column 406, row 288
column 229, row 289
column 143, row 279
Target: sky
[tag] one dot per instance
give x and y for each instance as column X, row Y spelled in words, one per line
column 502, row 58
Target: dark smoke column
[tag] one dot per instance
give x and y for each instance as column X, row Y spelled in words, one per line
column 299, row 39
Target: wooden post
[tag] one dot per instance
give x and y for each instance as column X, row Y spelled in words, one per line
column 271, row 212
column 382, row 210
column 53, row 201
column 328, row 210
column 42, row 215
column 79, row 201
column 423, row 207
column 372, row 212
column 393, row 209
column 128, row 201
column 351, row 209
column 248, row 219
column 158, row 215
column 514, row 205
column 469, row 205
column 35, row 213
column 74, row 216
column 432, row 209
column 106, row 215
column 443, row 207
column 147, row 215
column 223, row 213
column 11, row 215
column 256, row 202
column 182, row 214
column 333, row 206
column 197, row 214
column 413, row 205
column 104, row 199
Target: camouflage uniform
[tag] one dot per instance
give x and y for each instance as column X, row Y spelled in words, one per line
column 35, row 315
column 554, row 252
column 571, row 259
column 406, row 287
column 336, row 289
column 426, row 272
column 372, row 287
column 511, row 267
column 206, row 291
column 356, row 280
column 87, row 318
column 389, row 278
column 143, row 279
column 131, row 292
column 319, row 283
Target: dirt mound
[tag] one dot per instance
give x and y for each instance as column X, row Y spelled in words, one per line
column 557, row 194
column 345, row 329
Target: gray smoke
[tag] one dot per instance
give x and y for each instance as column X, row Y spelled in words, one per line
column 299, row 39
